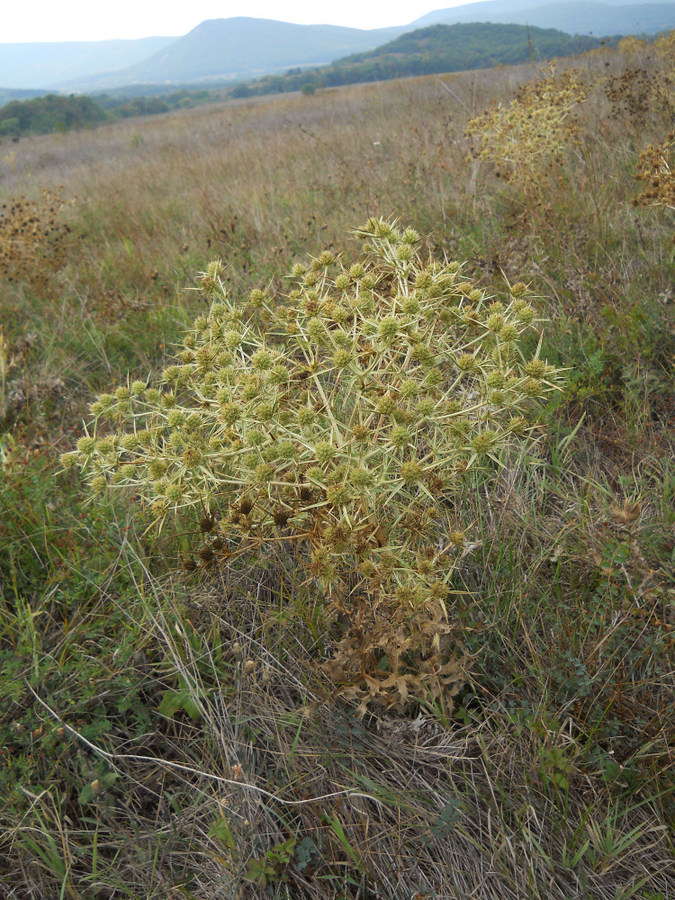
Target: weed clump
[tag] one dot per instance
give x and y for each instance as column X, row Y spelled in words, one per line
column 337, row 423
column 655, row 171
column 638, row 92
column 534, row 128
column 34, row 242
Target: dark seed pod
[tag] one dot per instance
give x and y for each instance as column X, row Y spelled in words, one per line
column 281, row 516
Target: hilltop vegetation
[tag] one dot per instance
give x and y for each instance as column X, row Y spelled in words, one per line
column 573, row 17
column 228, row 667
column 438, row 48
column 46, row 114
column 478, row 45
column 42, row 115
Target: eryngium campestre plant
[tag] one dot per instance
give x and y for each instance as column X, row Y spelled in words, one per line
column 533, row 129
column 337, row 421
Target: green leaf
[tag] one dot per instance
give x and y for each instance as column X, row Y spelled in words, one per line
column 221, row 831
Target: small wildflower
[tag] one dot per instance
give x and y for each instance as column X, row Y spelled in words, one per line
column 425, row 408
column 256, row 297
column 230, row 413
column 176, row 418
column 69, row 460
column 261, row 359
column 533, row 387
column 86, row 445
column 233, row 339
column 338, row 495
column 342, row 358
column 389, row 328
column 411, row 472
column 509, row 333
column 525, row 313
column 466, row 362
column 536, row 368
column 484, row 441
column 264, row 472
column 495, row 323
column 386, row 405
column 324, row 452
column 306, row 417
column 400, row 437
column 130, row 442
column 98, row 484
column 174, row 493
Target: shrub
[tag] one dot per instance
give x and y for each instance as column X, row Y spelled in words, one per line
column 534, row 128
column 337, row 423
column 657, row 175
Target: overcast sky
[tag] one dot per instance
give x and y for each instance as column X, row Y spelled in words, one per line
column 89, row 20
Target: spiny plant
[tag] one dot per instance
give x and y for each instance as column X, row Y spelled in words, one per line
column 33, row 239
column 639, row 90
column 655, row 170
column 337, row 423
column 535, row 127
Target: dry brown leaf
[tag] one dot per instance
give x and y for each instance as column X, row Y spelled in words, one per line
column 627, row 514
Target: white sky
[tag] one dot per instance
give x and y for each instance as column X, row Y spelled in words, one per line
column 89, row 20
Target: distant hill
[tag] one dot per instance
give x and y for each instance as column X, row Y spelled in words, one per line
column 438, row 48
column 50, row 65
column 473, row 44
column 573, row 17
column 242, row 47
column 7, row 94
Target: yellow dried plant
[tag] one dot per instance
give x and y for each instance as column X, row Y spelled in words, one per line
column 337, row 422
column 33, row 239
column 535, row 127
column 656, row 171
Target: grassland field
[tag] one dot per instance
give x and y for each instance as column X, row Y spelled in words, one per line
column 170, row 733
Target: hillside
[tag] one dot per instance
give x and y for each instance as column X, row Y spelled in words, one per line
column 478, row 44
column 573, row 17
column 244, row 47
column 45, row 66
column 437, row 48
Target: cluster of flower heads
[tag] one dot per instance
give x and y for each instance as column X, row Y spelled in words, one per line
column 535, row 127
column 656, row 171
column 33, row 239
column 339, row 419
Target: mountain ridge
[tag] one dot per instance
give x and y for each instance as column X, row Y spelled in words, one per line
column 199, row 54
column 243, row 47
column 49, row 65
column 572, row 16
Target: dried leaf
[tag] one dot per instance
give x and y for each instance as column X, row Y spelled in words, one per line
column 626, row 514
